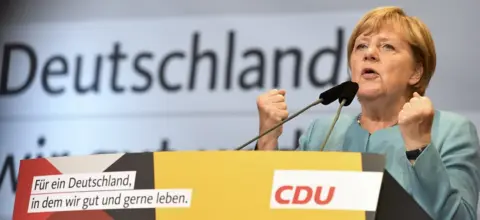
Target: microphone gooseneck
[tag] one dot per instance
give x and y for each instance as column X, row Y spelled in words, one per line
column 337, row 115
column 318, row 101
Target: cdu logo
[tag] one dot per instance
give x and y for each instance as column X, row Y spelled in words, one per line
column 289, row 194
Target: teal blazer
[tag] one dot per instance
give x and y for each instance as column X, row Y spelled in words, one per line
column 444, row 180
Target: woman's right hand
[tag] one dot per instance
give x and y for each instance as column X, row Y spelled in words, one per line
column 272, row 109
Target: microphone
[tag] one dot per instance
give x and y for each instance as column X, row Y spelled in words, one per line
column 345, row 99
column 325, row 98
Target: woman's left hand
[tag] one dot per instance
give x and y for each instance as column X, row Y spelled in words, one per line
column 415, row 121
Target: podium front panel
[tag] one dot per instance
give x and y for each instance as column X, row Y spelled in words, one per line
column 201, row 185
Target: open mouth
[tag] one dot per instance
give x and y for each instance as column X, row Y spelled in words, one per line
column 369, row 71
column 369, row 74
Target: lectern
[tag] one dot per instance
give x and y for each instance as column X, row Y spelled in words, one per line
column 212, row 185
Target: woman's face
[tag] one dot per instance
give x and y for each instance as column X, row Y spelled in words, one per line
column 383, row 65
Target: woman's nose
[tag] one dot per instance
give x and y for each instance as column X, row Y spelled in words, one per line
column 370, row 55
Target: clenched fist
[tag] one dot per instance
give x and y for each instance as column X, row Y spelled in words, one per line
column 272, row 109
column 415, row 121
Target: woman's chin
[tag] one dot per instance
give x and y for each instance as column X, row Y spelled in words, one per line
column 368, row 94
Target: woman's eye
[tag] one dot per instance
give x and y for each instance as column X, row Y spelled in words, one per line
column 361, row 46
column 388, row 47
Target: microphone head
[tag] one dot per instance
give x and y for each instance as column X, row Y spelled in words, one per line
column 332, row 94
column 349, row 90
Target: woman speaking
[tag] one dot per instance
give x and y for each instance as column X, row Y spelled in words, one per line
column 433, row 154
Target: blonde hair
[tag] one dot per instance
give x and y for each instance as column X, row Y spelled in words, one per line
column 416, row 33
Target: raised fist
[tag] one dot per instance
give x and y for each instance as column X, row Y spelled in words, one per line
column 415, row 121
column 272, row 109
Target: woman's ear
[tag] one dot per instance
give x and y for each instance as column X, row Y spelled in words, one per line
column 417, row 75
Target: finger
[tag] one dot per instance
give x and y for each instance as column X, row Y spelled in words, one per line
column 282, row 114
column 282, row 92
column 277, row 98
column 416, row 99
column 420, row 102
column 408, row 111
column 415, row 94
column 278, row 119
column 280, row 105
column 414, row 102
column 425, row 101
column 403, row 118
column 277, row 91
column 273, row 92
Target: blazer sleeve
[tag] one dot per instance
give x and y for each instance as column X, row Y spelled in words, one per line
column 447, row 176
